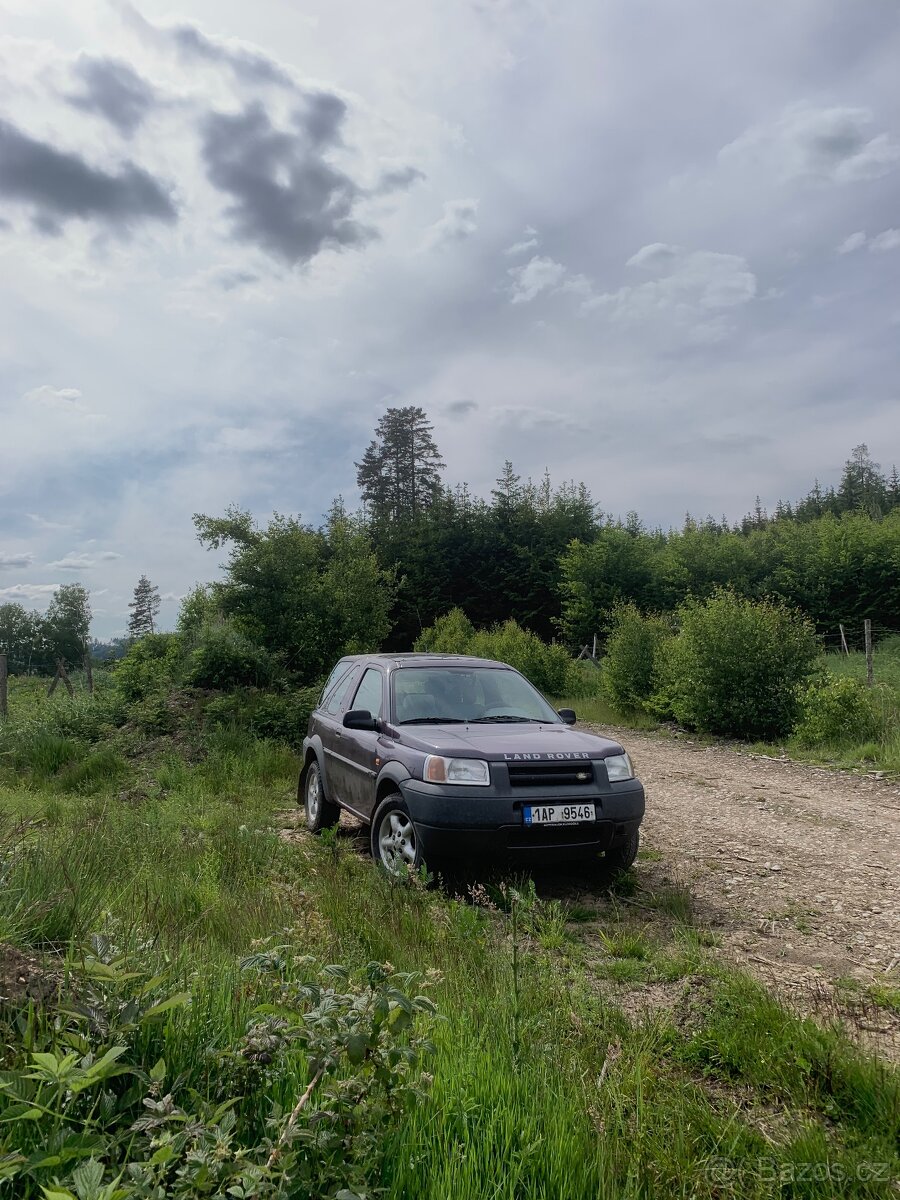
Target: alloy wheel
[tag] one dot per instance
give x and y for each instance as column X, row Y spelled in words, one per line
column 397, row 842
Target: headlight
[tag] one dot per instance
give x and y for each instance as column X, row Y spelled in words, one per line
column 618, row 766
column 456, row 770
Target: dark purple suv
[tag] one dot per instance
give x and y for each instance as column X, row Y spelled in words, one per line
column 450, row 757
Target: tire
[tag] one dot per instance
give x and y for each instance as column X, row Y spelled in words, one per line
column 623, row 856
column 319, row 812
column 395, row 845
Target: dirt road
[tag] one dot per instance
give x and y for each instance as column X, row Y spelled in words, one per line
column 795, row 867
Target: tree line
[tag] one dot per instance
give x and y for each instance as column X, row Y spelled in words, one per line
column 546, row 556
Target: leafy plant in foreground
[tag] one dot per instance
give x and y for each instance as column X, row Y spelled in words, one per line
column 85, row 1118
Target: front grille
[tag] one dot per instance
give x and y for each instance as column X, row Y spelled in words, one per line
column 578, row 773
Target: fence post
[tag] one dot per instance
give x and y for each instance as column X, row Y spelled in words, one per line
column 594, row 650
column 4, row 698
column 870, row 667
column 64, row 675
column 846, row 648
column 88, row 672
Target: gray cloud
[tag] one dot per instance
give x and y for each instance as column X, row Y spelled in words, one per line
column 460, row 408
column 245, row 62
column 113, row 90
column 457, row 223
column 61, row 185
column 834, row 144
column 286, row 197
column 28, row 592
column 15, row 560
column 73, row 562
column 397, row 179
column 230, row 280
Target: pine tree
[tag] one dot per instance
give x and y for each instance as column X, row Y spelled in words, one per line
column 144, row 609
column 399, row 475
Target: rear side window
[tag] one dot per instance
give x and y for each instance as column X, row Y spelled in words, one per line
column 369, row 694
column 339, row 690
column 341, row 669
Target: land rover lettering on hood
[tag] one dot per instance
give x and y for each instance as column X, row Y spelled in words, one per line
column 447, row 757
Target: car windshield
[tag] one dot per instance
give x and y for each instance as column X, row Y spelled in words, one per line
column 439, row 695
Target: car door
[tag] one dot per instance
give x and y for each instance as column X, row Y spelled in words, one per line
column 331, row 731
column 361, row 745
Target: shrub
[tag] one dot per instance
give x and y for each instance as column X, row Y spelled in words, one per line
column 548, row 667
column 737, row 666
column 151, row 664
column 283, row 717
column 632, row 661
column 838, row 711
column 450, row 634
column 225, row 658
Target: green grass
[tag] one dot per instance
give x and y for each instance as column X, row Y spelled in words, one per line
column 596, row 710
column 542, row 1087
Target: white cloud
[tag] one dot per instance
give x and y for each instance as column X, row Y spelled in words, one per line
column 534, row 277
column 60, row 399
column 889, row 240
column 73, row 562
column 854, row 242
column 457, row 224
column 529, row 241
column 27, row 592
column 43, row 523
column 687, row 284
column 832, row 144
column 15, row 560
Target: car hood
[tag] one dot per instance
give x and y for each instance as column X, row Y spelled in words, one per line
column 507, row 741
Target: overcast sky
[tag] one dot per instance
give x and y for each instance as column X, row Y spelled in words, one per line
column 653, row 246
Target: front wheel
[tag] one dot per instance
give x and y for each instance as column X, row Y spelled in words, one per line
column 320, row 813
column 395, row 844
column 622, row 856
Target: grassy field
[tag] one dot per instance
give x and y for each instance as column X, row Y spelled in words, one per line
column 158, row 905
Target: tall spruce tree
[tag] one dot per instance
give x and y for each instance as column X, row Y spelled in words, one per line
column 144, row 609
column 400, row 472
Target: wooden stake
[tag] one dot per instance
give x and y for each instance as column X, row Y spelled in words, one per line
column 870, row 666
column 844, row 640
column 88, row 672
column 4, row 698
column 54, row 681
column 65, row 678
column 594, row 651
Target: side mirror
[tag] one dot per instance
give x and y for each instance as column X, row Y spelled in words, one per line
column 359, row 718
column 568, row 715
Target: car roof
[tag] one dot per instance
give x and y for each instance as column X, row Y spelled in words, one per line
column 412, row 658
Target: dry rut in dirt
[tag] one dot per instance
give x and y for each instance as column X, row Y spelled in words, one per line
column 795, row 866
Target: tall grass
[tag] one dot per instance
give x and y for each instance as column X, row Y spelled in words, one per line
column 542, row 1087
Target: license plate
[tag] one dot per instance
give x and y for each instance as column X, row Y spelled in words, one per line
column 558, row 814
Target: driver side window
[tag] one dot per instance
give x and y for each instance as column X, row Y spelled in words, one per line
column 369, row 693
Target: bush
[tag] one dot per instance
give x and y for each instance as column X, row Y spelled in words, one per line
column 836, row 711
column 282, row 717
column 450, row 634
column 151, row 664
column 736, row 667
column 632, row 661
column 548, row 667
column 224, row 658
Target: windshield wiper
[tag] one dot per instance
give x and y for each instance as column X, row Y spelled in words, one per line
column 433, row 721
column 506, row 717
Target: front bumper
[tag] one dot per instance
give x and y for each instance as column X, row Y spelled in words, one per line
column 453, row 823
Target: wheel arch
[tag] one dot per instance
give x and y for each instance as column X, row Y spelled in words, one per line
column 389, row 779
column 312, row 753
